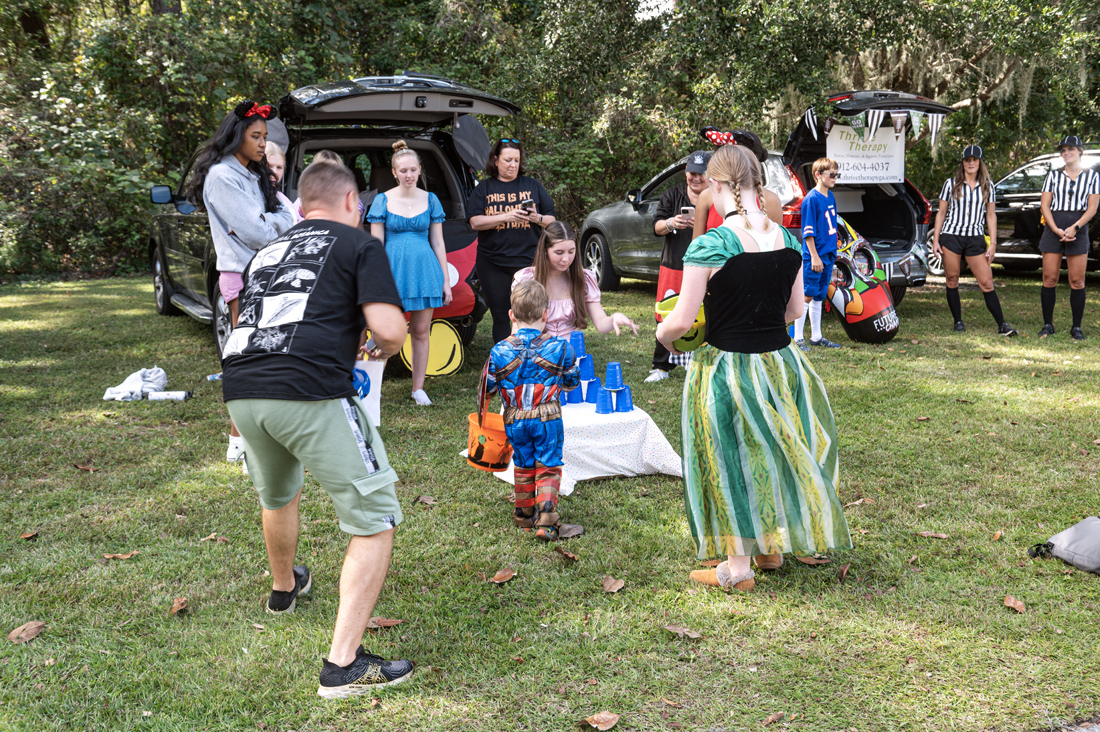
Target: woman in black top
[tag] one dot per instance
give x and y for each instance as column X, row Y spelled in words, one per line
column 509, row 209
column 966, row 213
column 1068, row 203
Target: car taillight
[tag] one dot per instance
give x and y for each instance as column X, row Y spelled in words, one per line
column 792, row 212
column 927, row 206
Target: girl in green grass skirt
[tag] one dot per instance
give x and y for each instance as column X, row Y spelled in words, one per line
column 759, row 441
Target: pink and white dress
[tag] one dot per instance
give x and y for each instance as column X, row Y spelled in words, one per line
column 559, row 321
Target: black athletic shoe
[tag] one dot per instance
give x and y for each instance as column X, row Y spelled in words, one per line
column 1076, row 334
column 362, row 676
column 1048, row 330
column 824, row 343
column 960, row 327
column 284, row 602
column 1007, row 330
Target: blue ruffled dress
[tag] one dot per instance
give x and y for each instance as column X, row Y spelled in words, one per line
column 415, row 267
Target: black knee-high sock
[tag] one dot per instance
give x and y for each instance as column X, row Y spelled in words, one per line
column 1077, row 305
column 954, row 304
column 1046, row 297
column 994, row 304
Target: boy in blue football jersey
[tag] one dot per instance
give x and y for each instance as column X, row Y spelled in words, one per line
column 819, row 237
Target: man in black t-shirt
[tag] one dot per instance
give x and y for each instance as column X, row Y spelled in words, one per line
column 287, row 380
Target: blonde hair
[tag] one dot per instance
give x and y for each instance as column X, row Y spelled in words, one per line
column 529, row 301
column 401, row 149
column 327, row 157
column 272, row 149
column 737, row 167
column 823, row 164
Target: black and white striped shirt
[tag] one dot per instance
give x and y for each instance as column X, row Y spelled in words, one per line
column 1071, row 195
column 965, row 214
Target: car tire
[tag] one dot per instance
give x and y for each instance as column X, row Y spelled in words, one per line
column 897, row 293
column 935, row 263
column 222, row 319
column 162, row 288
column 466, row 332
column 597, row 257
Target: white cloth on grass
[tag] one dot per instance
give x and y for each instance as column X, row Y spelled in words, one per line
column 137, row 385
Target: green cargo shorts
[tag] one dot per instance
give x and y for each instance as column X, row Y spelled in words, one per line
column 336, row 441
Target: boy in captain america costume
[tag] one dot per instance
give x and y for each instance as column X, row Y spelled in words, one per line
column 530, row 370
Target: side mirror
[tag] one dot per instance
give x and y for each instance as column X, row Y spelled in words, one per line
column 634, row 196
column 161, row 194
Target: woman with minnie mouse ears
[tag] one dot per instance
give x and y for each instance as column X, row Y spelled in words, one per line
column 706, row 216
column 231, row 181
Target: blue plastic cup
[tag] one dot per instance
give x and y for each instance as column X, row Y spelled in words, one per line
column 576, row 396
column 588, row 367
column 592, row 389
column 623, row 400
column 614, row 377
column 361, row 382
column 576, row 339
column 603, row 402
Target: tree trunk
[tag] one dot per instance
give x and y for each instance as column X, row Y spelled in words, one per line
column 165, row 7
column 34, row 26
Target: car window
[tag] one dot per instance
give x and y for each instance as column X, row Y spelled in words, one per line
column 1026, row 180
column 656, row 190
column 777, row 181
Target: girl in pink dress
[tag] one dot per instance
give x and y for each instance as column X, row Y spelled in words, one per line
column 574, row 294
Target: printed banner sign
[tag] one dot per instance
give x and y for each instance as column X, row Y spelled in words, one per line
column 878, row 158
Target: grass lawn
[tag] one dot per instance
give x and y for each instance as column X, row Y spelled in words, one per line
column 917, row 637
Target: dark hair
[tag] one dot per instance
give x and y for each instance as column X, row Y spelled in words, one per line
column 744, row 138
column 227, row 140
column 984, row 182
column 500, row 147
column 324, row 183
column 558, row 231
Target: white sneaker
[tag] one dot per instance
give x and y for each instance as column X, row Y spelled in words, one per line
column 654, row 376
column 235, row 452
column 421, row 398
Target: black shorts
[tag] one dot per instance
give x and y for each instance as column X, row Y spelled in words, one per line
column 964, row 246
column 1051, row 244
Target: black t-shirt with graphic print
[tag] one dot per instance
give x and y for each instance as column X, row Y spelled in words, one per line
column 512, row 244
column 300, row 314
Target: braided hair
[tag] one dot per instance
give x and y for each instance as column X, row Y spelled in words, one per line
column 739, row 168
column 227, row 140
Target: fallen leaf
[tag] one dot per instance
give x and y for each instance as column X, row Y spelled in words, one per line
column 843, row 574
column 146, row 714
column 772, row 718
column 814, row 560
column 376, row 703
column 914, row 341
column 1095, row 442
column 89, row 468
column 924, row 419
column 26, row 631
column 683, row 632
column 517, row 659
column 1083, row 451
column 51, row 661
column 212, row 537
column 503, row 576
column 987, row 357
column 964, row 401
column 29, row 535
column 868, row 500
column 997, row 536
column 376, row 622
column 568, row 531
column 1015, row 604
column 853, row 503
column 922, row 505
column 670, row 703
column 178, row 606
column 517, row 639
column 602, row 721
column 570, row 556
column 1014, row 423
column 426, row 500
column 862, row 531
column 610, row 584
column 931, row 535
column 221, row 540
column 121, row 556
column 258, row 627
column 911, row 559
column 651, row 401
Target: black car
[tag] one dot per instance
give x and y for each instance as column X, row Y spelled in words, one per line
column 894, row 218
column 360, row 120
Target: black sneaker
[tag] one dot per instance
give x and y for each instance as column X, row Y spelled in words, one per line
column 362, row 676
column 284, row 602
column 1007, row 330
column 824, row 343
column 1076, row 334
column 1048, row 330
column 960, row 327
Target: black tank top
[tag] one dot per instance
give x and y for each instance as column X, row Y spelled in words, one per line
column 746, row 301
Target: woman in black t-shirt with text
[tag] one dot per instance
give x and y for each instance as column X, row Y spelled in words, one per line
column 509, row 227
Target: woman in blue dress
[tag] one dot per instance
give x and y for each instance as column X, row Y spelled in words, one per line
column 409, row 221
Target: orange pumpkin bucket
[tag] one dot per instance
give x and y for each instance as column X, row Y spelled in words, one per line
column 487, row 447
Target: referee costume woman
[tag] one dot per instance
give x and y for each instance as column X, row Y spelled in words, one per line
column 1068, row 202
column 966, row 212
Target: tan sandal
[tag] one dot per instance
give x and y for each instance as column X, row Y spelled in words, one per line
column 721, row 576
column 768, row 561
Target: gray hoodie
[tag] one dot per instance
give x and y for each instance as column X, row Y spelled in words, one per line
column 238, row 223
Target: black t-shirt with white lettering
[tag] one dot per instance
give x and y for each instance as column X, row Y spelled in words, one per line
column 512, row 244
column 300, row 314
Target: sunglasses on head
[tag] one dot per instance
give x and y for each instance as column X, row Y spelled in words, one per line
column 509, row 139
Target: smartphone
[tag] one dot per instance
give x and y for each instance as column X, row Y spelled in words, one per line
column 688, row 213
column 528, row 204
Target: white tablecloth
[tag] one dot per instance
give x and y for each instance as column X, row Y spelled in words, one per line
column 603, row 445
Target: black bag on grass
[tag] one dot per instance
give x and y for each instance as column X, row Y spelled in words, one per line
column 1078, row 545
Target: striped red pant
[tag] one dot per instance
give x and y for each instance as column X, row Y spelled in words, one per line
column 537, row 496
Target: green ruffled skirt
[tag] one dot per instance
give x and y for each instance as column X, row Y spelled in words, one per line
column 760, row 455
